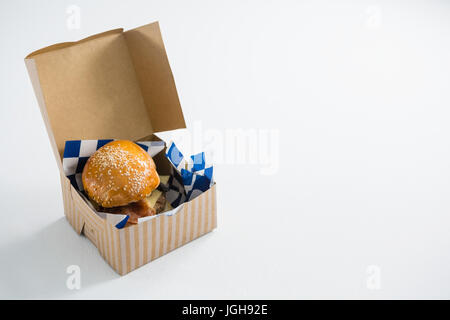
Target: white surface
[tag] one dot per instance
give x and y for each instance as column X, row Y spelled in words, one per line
column 359, row 94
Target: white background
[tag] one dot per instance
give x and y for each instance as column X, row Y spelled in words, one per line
column 358, row 92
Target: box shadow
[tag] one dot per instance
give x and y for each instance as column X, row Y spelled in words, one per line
column 36, row 267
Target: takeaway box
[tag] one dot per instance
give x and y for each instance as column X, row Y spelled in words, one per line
column 117, row 85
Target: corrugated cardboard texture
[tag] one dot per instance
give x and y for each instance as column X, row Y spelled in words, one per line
column 112, row 85
column 129, row 248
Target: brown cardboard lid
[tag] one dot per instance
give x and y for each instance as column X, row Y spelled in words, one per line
column 115, row 84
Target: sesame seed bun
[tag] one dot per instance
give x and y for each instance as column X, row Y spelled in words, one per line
column 119, row 173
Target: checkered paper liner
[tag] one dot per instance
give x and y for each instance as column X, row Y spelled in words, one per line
column 196, row 175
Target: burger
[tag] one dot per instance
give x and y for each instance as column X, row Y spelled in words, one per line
column 121, row 178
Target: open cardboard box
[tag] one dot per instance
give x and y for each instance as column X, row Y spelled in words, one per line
column 116, row 85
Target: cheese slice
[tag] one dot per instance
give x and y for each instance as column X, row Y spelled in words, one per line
column 164, row 183
column 156, row 200
column 164, row 179
column 168, row 207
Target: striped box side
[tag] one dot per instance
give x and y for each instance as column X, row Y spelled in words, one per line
column 74, row 218
column 144, row 242
column 132, row 247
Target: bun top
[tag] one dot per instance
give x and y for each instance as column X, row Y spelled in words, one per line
column 119, row 173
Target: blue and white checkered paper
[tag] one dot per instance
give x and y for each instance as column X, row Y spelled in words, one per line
column 196, row 175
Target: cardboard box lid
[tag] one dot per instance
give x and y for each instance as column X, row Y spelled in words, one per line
column 111, row 85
